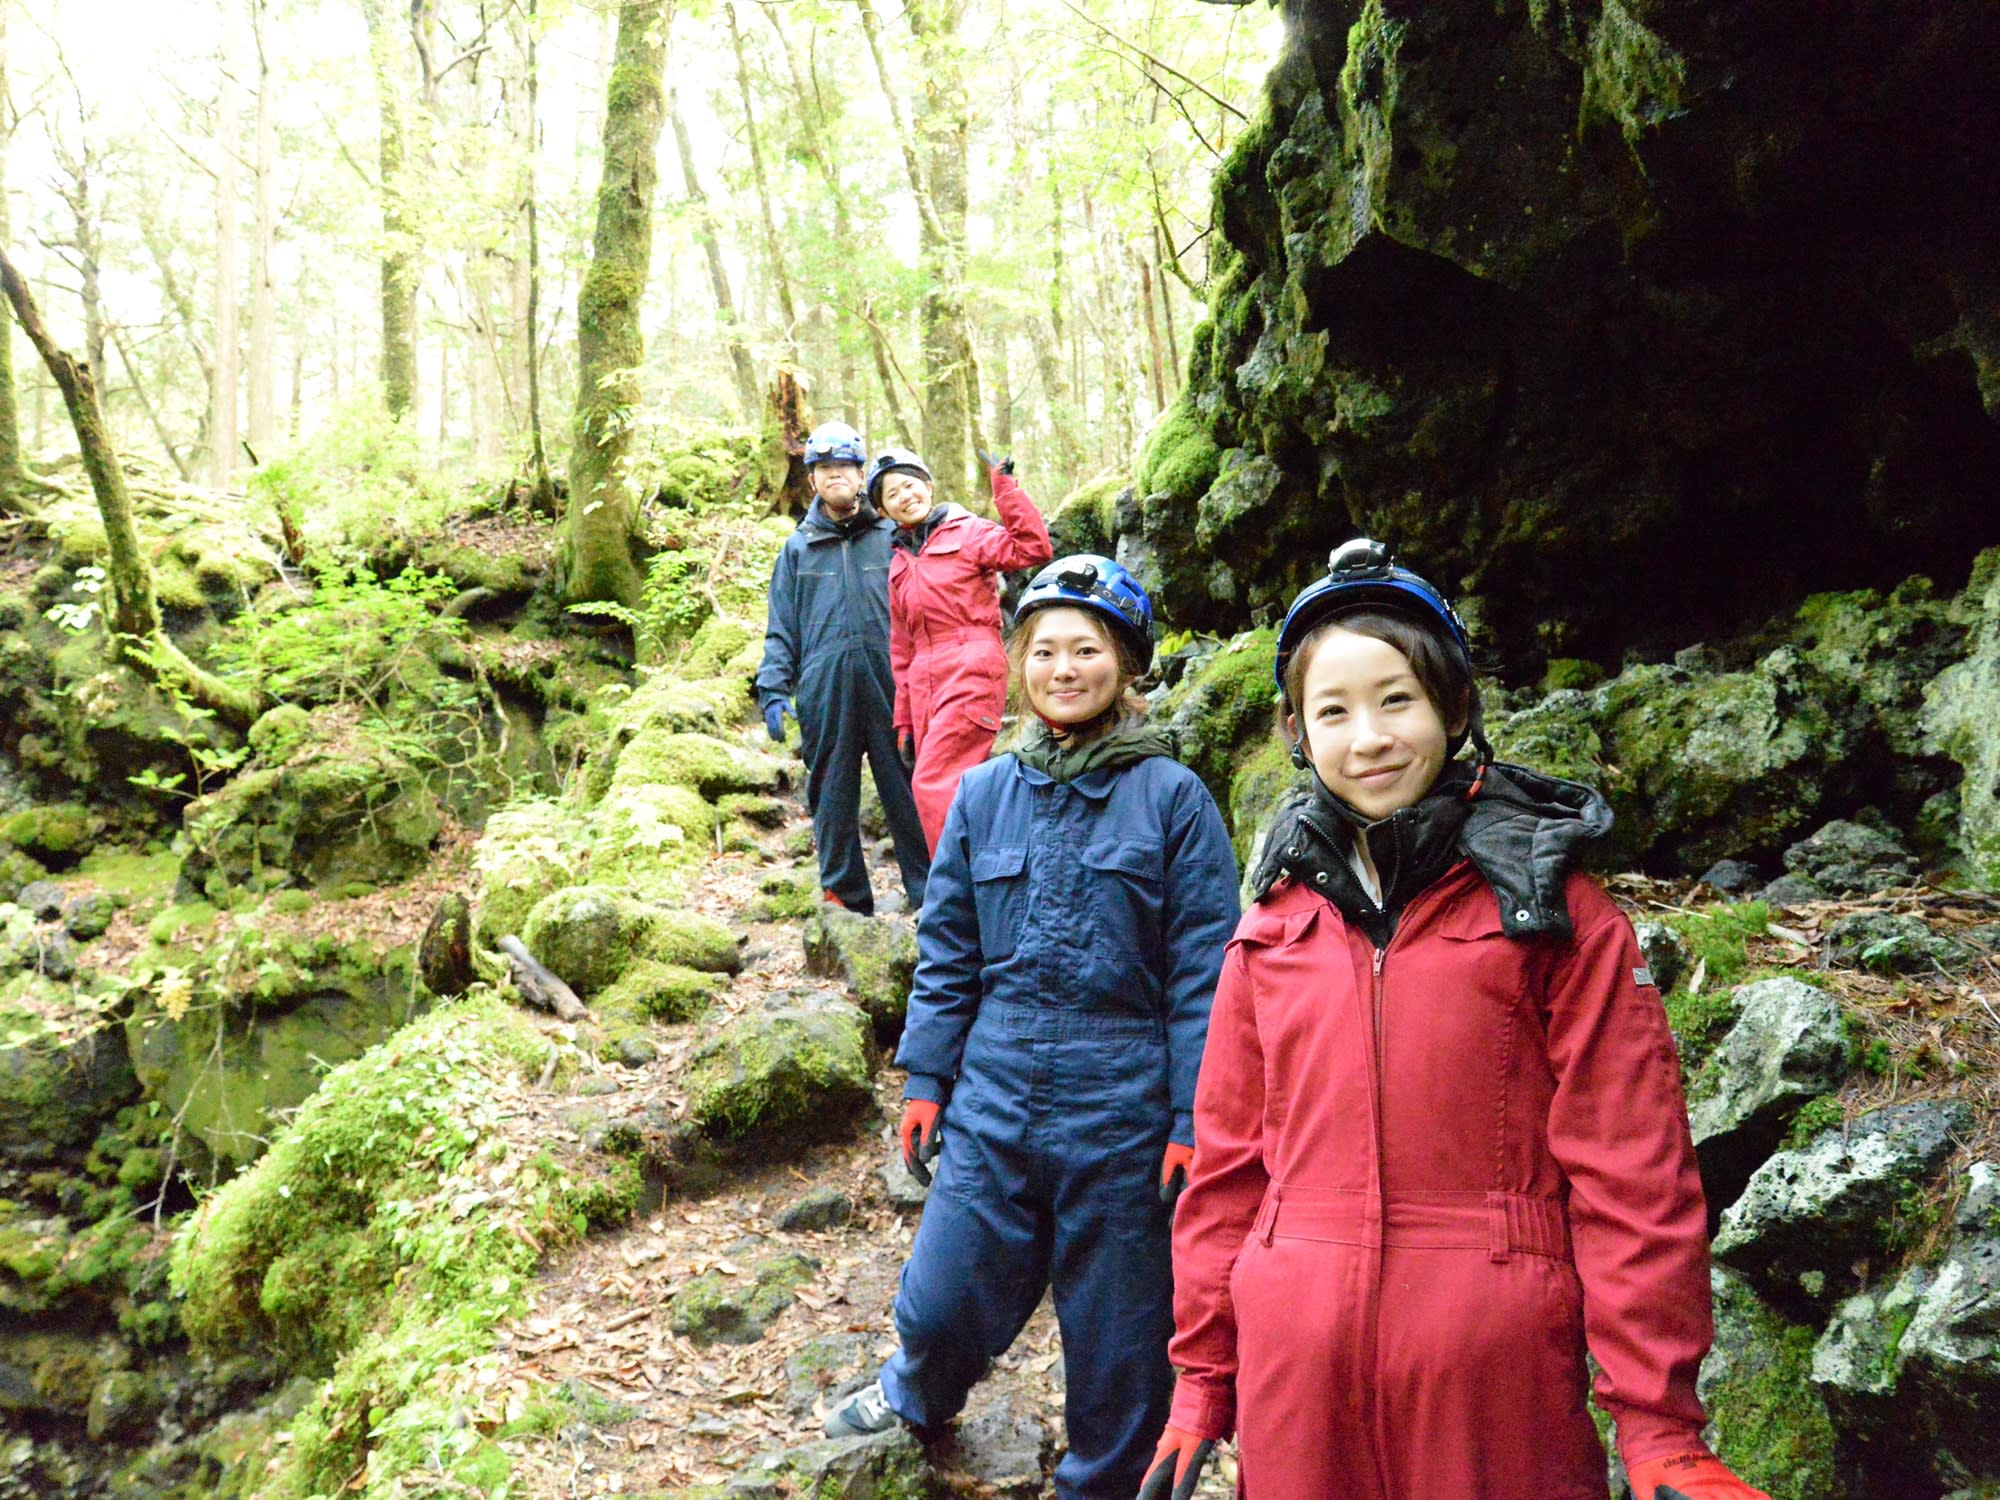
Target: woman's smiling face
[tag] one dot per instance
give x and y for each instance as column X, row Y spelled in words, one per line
column 1070, row 671
column 1372, row 733
column 906, row 498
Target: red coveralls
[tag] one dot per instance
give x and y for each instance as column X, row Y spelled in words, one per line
column 944, row 640
column 1424, row 1180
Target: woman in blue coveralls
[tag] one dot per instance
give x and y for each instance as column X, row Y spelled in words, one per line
column 1079, row 903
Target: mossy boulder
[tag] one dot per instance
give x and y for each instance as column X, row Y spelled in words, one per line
column 52, row 1373
column 57, row 834
column 888, row 1466
column 723, row 647
column 655, row 991
column 1087, row 519
column 1767, row 1420
column 792, row 1070
column 702, row 763
column 527, row 850
column 17, row 870
column 652, row 839
column 874, row 957
column 388, row 1234
column 719, row 1309
column 590, row 935
column 280, row 731
column 1179, row 457
column 349, row 811
column 786, row 896
column 64, row 1069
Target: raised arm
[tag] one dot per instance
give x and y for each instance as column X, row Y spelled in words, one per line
column 1021, row 540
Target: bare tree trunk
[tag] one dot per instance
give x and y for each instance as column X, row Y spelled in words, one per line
column 544, row 497
column 597, row 560
column 781, row 279
column 262, row 372
column 14, row 480
column 1167, row 312
column 1145, row 269
column 718, row 276
column 938, row 181
column 222, row 420
column 133, row 623
column 399, row 251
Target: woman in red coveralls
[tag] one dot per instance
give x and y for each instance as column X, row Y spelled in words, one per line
column 944, row 620
column 1440, row 1143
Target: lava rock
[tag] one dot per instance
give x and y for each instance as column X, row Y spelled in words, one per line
column 1807, row 1216
column 793, row 1070
column 826, row 1368
column 884, row 1466
column 1004, row 1447
column 1791, row 890
column 1787, row 1046
column 875, row 957
column 1733, row 877
column 43, row 899
column 1893, row 943
column 716, row 1309
column 822, row 1208
column 1764, row 1412
column 1847, row 859
column 86, row 917
column 898, row 1186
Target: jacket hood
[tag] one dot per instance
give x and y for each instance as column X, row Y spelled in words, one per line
column 1523, row 831
column 914, row 538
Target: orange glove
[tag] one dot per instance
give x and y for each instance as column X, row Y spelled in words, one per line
column 1699, row 1475
column 1175, row 1165
column 919, row 1136
column 1177, row 1462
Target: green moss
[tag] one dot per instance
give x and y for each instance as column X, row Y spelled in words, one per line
column 703, row 764
column 774, row 1071
column 1260, row 784
column 1771, row 1425
column 381, row 1242
column 1632, row 77
column 1084, row 520
column 17, row 870
column 786, row 897
column 529, row 848
column 1569, row 672
column 659, row 991
column 1717, row 943
column 131, row 876
column 1814, row 1116
column 279, row 732
column 52, row 831
column 1180, row 456
column 1223, row 711
column 722, row 647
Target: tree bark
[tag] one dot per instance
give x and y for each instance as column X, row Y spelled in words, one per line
column 597, row 559
column 543, row 497
column 774, row 244
column 134, row 619
column 399, row 252
column 14, row 481
column 718, row 275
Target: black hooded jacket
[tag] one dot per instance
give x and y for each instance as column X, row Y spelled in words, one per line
column 1524, row 832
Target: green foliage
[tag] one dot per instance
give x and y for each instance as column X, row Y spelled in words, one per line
column 356, row 468
column 356, row 639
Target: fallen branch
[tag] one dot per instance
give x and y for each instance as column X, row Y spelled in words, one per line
column 537, row 985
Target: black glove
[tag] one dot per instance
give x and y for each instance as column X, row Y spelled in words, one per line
column 906, row 750
column 998, row 465
column 1160, row 1484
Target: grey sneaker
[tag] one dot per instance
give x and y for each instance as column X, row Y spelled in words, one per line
column 864, row 1412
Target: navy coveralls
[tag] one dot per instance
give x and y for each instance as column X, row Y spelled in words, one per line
column 827, row 642
column 1066, row 960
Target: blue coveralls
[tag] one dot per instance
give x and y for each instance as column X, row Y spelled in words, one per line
column 826, row 644
column 1066, row 961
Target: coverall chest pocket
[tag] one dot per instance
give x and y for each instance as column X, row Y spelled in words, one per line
column 1125, row 888
column 1000, row 896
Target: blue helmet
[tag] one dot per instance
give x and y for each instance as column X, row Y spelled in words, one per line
column 1361, row 574
column 889, row 461
column 1088, row 581
column 835, row 442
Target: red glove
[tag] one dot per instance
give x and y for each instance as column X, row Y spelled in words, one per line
column 1175, row 1164
column 1177, row 1462
column 1699, row 1475
column 919, row 1137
